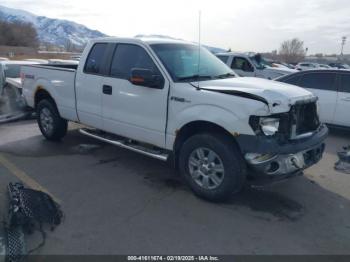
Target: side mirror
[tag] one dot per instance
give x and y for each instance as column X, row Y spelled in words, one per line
column 147, row 78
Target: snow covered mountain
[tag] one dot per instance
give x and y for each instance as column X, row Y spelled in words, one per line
column 54, row 31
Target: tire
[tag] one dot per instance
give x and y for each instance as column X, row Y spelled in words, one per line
column 226, row 155
column 51, row 125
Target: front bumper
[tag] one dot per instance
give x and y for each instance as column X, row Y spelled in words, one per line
column 283, row 160
column 282, row 165
column 270, row 145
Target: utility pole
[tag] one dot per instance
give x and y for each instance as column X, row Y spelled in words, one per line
column 343, row 41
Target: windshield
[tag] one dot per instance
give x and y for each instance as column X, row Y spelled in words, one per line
column 181, row 62
column 12, row 71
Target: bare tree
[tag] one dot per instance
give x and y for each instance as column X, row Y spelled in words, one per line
column 292, row 51
column 18, row 34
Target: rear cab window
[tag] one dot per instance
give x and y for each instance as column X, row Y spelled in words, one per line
column 95, row 62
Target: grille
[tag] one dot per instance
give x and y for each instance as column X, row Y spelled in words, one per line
column 304, row 119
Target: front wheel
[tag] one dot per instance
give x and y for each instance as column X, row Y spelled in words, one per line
column 213, row 166
column 51, row 125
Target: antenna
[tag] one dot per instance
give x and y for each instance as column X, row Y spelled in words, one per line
column 199, row 44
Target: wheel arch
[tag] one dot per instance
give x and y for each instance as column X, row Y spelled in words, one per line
column 198, row 127
column 40, row 94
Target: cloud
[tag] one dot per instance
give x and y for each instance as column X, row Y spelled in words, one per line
column 250, row 25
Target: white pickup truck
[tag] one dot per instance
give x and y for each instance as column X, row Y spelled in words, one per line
column 160, row 98
column 253, row 65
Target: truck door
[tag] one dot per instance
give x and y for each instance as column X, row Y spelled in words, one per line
column 134, row 111
column 242, row 66
column 89, row 86
column 342, row 110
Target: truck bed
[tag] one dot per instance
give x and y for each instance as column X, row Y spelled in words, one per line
column 58, row 80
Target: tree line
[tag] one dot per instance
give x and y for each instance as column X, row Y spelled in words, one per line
column 18, row 34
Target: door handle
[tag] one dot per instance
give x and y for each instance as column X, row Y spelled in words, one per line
column 107, row 90
column 346, row 99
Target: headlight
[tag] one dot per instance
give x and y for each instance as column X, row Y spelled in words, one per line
column 269, row 125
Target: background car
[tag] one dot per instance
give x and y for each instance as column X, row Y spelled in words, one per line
column 252, row 65
column 324, row 66
column 11, row 69
column 333, row 90
column 339, row 65
column 306, row 66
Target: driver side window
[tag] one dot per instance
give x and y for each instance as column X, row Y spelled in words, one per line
column 126, row 57
column 240, row 63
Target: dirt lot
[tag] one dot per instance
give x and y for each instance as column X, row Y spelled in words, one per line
column 119, row 202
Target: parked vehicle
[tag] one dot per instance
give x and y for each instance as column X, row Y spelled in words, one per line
column 38, row 60
column 285, row 65
column 75, row 57
column 151, row 96
column 252, row 65
column 333, row 90
column 324, row 66
column 63, row 62
column 339, row 66
column 306, row 66
column 10, row 69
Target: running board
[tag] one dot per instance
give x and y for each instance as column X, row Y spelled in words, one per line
column 124, row 143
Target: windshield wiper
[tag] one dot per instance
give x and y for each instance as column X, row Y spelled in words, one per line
column 225, row 76
column 195, row 77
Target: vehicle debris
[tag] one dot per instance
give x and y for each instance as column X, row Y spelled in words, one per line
column 12, row 106
column 29, row 210
column 343, row 164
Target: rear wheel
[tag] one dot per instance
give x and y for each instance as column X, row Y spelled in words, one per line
column 213, row 166
column 51, row 125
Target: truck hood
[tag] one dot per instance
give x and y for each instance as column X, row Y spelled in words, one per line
column 279, row 97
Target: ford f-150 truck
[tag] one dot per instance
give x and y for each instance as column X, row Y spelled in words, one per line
column 173, row 100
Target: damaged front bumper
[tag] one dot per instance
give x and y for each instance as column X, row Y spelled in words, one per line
column 266, row 157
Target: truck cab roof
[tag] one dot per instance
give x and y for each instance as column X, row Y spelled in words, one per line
column 147, row 40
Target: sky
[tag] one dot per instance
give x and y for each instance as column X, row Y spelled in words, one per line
column 242, row 25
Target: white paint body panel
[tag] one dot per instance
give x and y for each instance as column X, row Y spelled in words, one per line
column 327, row 101
column 59, row 83
column 342, row 110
